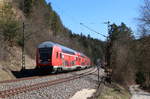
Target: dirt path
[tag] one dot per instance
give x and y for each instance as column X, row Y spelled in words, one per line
column 84, row 94
column 138, row 93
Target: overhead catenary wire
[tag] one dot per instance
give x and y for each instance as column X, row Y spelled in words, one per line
column 72, row 18
column 92, row 30
column 80, row 23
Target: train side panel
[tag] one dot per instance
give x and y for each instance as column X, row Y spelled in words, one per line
column 56, row 57
column 59, row 57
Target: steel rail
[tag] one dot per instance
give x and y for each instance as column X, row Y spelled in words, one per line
column 34, row 77
column 15, row 91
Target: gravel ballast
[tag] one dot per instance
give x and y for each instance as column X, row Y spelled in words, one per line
column 63, row 90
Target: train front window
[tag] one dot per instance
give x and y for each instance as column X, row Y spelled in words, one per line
column 45, row 54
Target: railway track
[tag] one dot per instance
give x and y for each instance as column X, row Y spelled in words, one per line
column 10, row 84
column 27, row 88
column 35, row 77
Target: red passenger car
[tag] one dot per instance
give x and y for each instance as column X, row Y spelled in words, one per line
column 53, row 56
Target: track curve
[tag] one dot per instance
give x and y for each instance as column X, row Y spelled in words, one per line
column 27, row 88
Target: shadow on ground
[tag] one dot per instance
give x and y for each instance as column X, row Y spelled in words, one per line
column 36, row 72
column 28, row 73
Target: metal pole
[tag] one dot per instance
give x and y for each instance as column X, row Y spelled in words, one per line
column 107, row 57
column 108, row 68
column 2, row 4
column 23, row 43
column 98, row 73
column 23, row 51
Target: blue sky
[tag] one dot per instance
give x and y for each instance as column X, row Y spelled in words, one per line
column 94, row 13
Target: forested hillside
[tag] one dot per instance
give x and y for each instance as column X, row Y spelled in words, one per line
column 129, row 56
column 41, row 23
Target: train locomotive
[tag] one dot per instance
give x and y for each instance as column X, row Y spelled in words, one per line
column 55, row 57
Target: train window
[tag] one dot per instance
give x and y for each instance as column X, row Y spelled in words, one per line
column 66, row 63
column 63, row 56
column 73, row 63
column 45, row 53
column 76, row 58
column 79, row 59
column 60, row 55
column 63, row 63
column 57, row 55
column 68, row 51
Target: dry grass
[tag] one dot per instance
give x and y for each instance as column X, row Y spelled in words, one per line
column 4, row 75
column 117, row 92
column 10, row 60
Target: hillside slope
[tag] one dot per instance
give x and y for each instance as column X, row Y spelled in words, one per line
column 42, row 23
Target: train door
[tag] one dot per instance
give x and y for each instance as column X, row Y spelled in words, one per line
column 63, row 60
column 60, row 59
column 57, row 58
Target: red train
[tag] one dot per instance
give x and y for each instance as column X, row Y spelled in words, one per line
column 53, row 56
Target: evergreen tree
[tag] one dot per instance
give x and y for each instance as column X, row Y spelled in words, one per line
column 9, row 26
column 118, row 57
column 56, row 25
column 27, row 7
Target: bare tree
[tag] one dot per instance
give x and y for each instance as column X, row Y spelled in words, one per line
column 144, row 27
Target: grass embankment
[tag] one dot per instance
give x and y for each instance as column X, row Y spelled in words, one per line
column 115, row 92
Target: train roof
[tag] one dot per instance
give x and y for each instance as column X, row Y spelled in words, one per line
column 46, row 44
column 51, row 44
column 83, row 55
column 64, row 49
